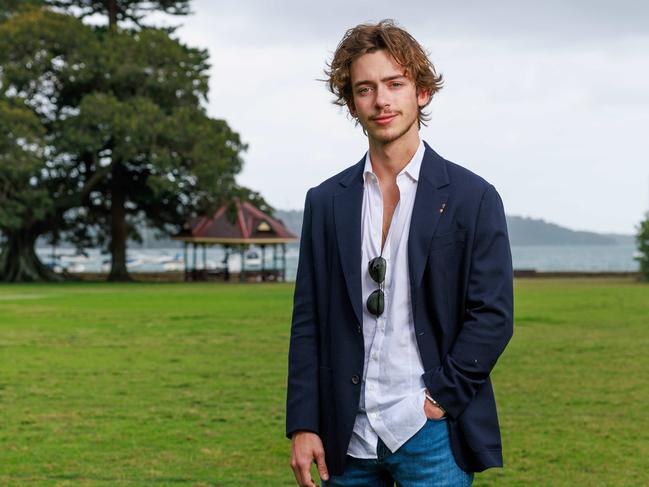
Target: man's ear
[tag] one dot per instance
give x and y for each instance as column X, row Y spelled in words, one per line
column 423, row 96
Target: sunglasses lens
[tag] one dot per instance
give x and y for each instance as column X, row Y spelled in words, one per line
column 376, row 302
column 377, row 269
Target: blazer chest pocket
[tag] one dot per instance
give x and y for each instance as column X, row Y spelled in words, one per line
column 448, row 240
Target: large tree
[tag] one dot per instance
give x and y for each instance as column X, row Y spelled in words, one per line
column 123, row 113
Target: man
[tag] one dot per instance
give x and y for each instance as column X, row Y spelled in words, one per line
column 403, row 299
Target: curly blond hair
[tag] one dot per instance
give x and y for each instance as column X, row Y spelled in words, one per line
column 367, row 38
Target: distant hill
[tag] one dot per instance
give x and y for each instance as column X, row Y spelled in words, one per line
column 522, row 231
column 531, row 231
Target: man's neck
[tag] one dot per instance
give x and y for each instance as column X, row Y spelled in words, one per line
column 389, row 159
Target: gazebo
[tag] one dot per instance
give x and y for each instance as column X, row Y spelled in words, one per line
column 252, row 226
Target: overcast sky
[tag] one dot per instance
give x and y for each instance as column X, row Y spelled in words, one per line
column 548, row 101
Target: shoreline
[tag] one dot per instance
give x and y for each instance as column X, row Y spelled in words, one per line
column 175, row 276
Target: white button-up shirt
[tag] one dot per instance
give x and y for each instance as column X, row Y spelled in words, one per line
column 393, row 391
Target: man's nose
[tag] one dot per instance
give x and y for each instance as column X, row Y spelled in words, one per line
column 382, row 97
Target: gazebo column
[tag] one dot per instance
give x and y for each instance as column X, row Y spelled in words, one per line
column 227, row 264
column 194, row 260
column 204, row 257
column 186, row 260
column 243, row 265
column 263, row 259
column 283, row 262
column 275, row 261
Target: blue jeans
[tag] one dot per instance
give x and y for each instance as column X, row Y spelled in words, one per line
column 425, row 460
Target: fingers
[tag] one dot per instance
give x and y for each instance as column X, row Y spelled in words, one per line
column 307, row 447
column 431, row 411
column 297, row 471
column 307, row 481
column 322, row 466
column 302, row 472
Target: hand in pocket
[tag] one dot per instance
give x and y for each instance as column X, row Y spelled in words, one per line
column 431, row 411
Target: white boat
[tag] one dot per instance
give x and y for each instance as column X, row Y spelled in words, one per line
column 67, row 262
column 175, row 263
column 131, row 263
column 252, row 261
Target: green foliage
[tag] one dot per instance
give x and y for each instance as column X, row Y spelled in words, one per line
column 11, row 7
column 42, row 75
column 46, row 58
column 22, row 200
column 642, row 241
column 133, row 98
column 149, row 63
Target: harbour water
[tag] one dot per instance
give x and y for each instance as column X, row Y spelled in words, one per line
column 580, row 258
column 584, row 258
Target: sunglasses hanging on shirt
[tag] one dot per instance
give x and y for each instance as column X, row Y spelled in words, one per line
column 376, row 301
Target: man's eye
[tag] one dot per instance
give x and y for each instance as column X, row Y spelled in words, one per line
column 397, row 84
column 362, row 91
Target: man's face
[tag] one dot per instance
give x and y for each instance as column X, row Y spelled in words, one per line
column 386, row 101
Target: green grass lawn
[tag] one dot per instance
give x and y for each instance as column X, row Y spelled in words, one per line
column 184, row 384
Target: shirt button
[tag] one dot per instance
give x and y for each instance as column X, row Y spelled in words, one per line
column 370, row 387
column 374, row 355
column 355, row 379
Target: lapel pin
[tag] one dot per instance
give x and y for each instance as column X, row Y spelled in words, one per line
column 442, row 208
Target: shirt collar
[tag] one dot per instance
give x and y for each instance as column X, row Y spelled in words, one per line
column 411, row 169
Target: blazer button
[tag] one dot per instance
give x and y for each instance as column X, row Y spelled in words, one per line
column 355, row 379
column 358, row 328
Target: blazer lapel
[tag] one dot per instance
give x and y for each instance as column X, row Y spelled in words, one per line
column 426, row 213
column 348, row 205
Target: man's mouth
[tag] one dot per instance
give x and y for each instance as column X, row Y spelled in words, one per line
column 384, row 119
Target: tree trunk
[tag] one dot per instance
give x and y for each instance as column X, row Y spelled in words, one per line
column 112, row 14
column 19, row 262
column 118, row 270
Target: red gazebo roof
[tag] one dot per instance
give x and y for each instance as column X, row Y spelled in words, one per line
column 252, row 226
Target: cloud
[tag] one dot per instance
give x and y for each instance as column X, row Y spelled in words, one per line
column 553, row 21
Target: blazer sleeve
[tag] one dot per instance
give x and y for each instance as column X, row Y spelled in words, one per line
column 488, row 316
column 302, row 401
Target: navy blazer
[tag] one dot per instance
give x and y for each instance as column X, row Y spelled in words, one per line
column 461, row 284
